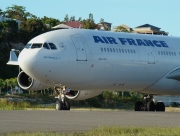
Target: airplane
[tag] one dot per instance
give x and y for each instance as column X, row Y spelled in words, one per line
column 80, row 64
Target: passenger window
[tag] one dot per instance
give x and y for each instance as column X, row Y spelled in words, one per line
column 110, row 50
column 36, row 45
column 52, row 46
column 46, row 46
column 28, row 46
column 116, row 50
column 105, row 49
column 119, row 50
column 113, row 50
column 166, row 52
column 101, row 49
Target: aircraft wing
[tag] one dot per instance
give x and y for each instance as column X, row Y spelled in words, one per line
column 174, row 75
column 13, row 59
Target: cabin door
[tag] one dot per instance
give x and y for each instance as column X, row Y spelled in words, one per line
column 80, row 48
column 150, row 54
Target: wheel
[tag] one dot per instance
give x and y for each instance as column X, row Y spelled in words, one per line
column 139, row 106
column 160, row 106
column 151, row 106
column 66, row 105
column 59, row 105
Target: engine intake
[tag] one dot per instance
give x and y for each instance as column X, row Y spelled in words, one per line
column 28, row 83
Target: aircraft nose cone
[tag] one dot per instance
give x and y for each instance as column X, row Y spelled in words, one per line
column 27, row 60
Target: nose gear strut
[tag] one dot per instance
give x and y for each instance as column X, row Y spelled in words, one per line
column 62, row 103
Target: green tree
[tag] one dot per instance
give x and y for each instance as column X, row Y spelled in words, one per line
column 121, row 29
column 80, row 19
column 17, row 12
column 2, row 84
column 66, row 18
column 89, row 24
column 72, row 18
column 50, row 21
column 31, row 28
column 1, row 12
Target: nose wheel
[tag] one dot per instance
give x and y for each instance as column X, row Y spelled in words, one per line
column 61, row 103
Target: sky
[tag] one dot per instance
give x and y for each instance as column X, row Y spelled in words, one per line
column 164, row 14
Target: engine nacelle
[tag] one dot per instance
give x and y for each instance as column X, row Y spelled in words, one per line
column 27, row 83
column 82, row 95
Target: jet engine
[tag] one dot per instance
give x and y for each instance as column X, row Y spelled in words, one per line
column 28, row 83
column 82, row 95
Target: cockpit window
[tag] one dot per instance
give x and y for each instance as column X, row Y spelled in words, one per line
column 36, row 45
column 46, row 46
column 28, row 46
column 52, row 46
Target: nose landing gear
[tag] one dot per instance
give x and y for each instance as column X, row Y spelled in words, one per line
column 149, row 105
column 62, row 103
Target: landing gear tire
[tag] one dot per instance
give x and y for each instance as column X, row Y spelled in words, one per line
column 59, row 105
column 151, row 106
column 139, row 106
column 62, row 103
column 66, row 105
column 160, row 106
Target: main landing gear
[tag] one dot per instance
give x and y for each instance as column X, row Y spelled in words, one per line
column 62, row 103
column 149, row 105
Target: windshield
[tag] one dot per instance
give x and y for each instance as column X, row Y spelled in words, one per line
column 36, row 45
column 28, row 45
column 52, row 46
column 46, row 46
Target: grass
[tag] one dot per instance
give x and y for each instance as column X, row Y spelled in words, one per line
column 112, row 131
column 13, row 105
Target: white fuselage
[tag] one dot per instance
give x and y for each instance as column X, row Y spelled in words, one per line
column 100, row 60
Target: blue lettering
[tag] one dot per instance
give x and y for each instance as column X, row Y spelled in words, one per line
column 123, row 41
column 131, row 41
column 163, row 44
column 111, row 40
column 140, row 42
column 149, row 43
column 106, row 41
column 156, row 43
column 97, row 39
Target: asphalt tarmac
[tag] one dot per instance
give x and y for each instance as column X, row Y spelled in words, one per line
column 81, row 120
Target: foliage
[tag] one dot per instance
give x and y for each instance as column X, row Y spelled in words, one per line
column 13, row 105
column 10, row 83
column 50, row 21
column 110, row 100
column 66, row 18
column 89, row 24
column 17, row 12
column 121, row 29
